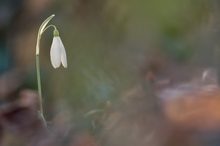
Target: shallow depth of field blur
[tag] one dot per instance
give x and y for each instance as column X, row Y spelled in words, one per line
column 142, row 73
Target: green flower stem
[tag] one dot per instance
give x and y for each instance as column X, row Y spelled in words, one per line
column 41, row 113
column 53, row 26
column 39, row 82
column 40, row 32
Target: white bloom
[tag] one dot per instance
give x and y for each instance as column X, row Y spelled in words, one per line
column 58, row 53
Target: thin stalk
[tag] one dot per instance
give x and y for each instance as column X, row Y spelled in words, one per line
column 53, row 26
column 40, row 32
column 41, row 112
column 39, row 82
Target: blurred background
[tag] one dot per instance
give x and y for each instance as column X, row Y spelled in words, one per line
column 139, row 72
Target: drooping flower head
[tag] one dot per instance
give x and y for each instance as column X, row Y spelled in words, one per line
column 57, row 51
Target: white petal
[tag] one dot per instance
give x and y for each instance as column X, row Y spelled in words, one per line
column 55, row 52
column 63, row 54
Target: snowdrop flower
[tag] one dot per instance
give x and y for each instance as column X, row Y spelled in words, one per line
column 57, row 55
column 57, row 51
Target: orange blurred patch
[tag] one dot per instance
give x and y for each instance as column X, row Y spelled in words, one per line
column 198, row 110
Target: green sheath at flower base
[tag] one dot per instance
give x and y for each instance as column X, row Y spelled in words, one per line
column 56, row 33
